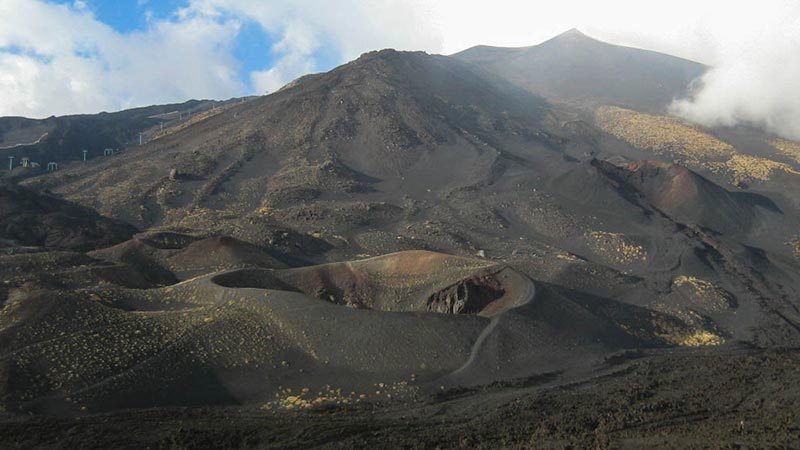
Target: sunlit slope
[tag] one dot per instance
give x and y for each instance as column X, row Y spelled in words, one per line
column 692, row 145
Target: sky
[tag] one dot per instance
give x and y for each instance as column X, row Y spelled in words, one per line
column 84, row 56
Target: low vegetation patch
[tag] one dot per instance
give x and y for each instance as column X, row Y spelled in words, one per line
column 690, row 145
column 616, row 247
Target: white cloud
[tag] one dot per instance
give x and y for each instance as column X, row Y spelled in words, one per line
column 348, row 27
column 65, row 61
column 296, row 50
column 286, row 69
column 756, row 73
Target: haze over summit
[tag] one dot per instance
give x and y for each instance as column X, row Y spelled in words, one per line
column 65, row 57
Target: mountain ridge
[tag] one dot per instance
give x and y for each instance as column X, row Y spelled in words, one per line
column 585, row 72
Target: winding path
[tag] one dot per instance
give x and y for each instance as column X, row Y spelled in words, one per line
column 527, row 297
column 25, row 144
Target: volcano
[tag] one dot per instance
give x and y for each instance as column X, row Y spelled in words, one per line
column 576, row 69
column 409, row 238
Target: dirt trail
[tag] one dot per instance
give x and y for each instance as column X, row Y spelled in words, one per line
column 527, row 296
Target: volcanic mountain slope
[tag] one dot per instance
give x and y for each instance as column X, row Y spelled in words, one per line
column 688, row 232
column 744, row 157
column 42, row 240
column 361, row 135
column 399, row 151
column 574, row 68
column 627, row 93
column 47, row 242
column 674, row 191
column 33, row 219
column 61, row 139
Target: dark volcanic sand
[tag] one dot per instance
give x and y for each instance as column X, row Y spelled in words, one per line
column 744, row 399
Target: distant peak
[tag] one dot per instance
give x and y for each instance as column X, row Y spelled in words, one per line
column 573, row 34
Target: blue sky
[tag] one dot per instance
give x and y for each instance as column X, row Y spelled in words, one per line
column 252, row 44
column 252, row 47
column 129, row 15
